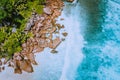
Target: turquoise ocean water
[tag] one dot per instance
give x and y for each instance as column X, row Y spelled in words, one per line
column 102, row 34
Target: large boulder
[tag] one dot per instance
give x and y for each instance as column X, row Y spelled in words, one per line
column 26, row 66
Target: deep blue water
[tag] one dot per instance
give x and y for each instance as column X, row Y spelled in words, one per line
column 102, row 34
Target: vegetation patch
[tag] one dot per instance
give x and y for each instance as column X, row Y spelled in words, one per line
column 14, row 15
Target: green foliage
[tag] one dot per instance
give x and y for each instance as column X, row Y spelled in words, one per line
column 11, row 42
column 30, row 7
column 15, row 12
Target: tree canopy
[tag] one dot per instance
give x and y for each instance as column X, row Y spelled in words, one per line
column 15, row 12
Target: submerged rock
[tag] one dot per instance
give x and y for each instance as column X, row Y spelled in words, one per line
column 64, row 34
column 54, row 51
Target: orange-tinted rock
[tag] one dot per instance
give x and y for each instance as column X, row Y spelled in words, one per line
column 70, row 0
column 31, row 49
column 64, row 34
column 54, row 51
column 17, row 67
column 9, row 64
column 50, row 36
column 35, row 47
column 59, row 26
column 17, row 71
column 62, row 26
column 43, row 43
column 50, row 44
column 3, row 68
column 31, row 57
column 53, row 30
column 56, row 13
column 26, row 66
column 54, row 43
column 44, row 31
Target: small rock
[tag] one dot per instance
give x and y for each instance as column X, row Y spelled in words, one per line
column 3, row 68
column 9, row 64
column 47, row 10
column 54, row 51
column 70, row 0
column 59, row 26
column 62, row 26
column 62, row 19
column 65, row 34
column 63, row 39
column 54, row 43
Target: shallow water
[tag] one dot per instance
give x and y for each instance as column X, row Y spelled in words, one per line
column 91, row 49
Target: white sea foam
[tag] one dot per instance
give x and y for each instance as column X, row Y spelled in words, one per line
column 74, row 40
